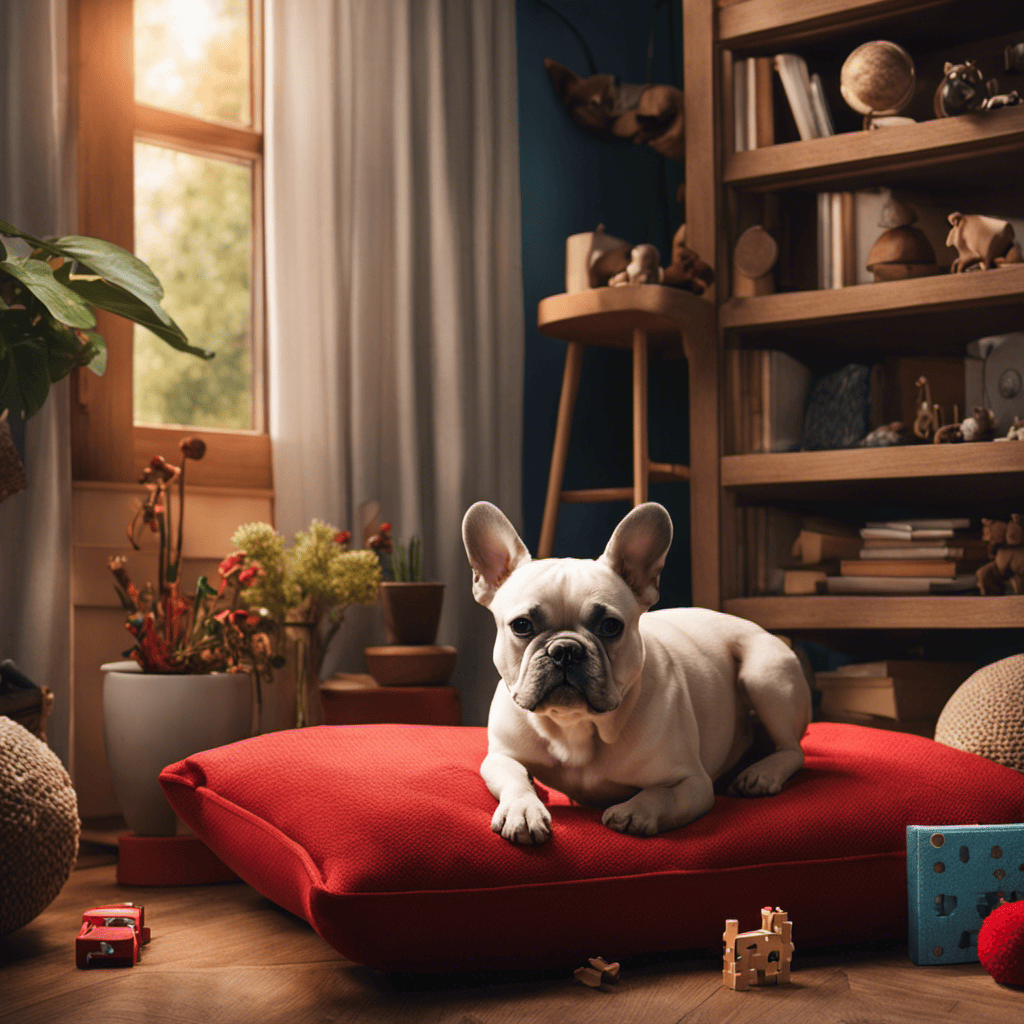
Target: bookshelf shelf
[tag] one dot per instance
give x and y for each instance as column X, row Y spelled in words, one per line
column 940, row 313
column 990, row 471
column 830, row 612
column 947, row 150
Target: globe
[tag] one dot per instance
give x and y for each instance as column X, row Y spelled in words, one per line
column 877, row 78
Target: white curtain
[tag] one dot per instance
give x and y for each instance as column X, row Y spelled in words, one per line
column 394, row 282
column 37, row 176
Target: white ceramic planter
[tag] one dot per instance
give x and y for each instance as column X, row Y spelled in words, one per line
column 151, row 721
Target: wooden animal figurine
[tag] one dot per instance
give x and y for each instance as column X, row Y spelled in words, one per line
column 962, row 89
column 601, row 105
column 761, row 957
column 981, row 240
column 644, row 267
column 592, row 257
column 981, row 426
column 1006, row 550
column 687, row 270
column 928, row 418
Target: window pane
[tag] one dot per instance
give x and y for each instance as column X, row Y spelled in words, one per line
column 193, row 226
column 192, row 56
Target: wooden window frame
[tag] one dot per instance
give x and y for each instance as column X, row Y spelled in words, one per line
column 106, row 443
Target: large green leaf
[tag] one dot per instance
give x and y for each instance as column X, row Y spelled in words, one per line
column 98, row 363
column 60, row 300
column 24, row 376
column 115, row 300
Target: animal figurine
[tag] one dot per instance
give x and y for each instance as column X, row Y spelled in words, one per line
column 687, row 270
column 602, row 105
column 984, row 241
column 761, row 957
column 1016, row 431
column 978, row 427
column 929, row 416
column 962, row 89
column 1006, row 551
column 644, row 267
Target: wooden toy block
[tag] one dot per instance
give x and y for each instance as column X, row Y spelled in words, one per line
column 588, row 976
column 760, row 957
column 609, row 972
column 955, row 876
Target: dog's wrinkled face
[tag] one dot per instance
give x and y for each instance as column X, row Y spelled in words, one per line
column 568, row 643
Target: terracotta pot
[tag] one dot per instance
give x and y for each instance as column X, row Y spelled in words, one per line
column 153, row 720
column 411, row 611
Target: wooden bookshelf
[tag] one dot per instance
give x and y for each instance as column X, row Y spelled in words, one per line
column 961, row 161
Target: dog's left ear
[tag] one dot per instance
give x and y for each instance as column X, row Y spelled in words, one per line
column 494, row 548
column 638, row 549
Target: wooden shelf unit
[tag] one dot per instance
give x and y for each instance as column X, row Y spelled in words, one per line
column 949, row 158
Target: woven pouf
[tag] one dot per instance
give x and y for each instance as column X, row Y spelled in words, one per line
column 1001, row 943
column 986, row 714
column 38, row 826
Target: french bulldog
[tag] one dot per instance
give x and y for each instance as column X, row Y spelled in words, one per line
column 614, row 705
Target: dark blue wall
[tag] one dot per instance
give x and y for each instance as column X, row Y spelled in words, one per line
column 571, row 182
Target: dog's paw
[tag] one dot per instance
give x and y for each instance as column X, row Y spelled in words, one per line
column 631, row 818
column 525, row 820
column 755, row 783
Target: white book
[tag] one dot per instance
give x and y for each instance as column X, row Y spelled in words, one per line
column 911, row 551
column 923, row 524
column 882, row 532
column 819, row 104
column 797, row 85
column 900, row 584
column 751, row 103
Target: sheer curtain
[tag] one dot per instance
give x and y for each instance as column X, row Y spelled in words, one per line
column 37, row 175
column 394, row 282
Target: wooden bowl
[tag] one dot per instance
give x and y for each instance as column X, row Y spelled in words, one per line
column 399, row 665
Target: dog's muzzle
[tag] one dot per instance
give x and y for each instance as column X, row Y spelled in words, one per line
column 564, row 673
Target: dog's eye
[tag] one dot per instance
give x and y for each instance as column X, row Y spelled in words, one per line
column 610, row 628
column 522, row 626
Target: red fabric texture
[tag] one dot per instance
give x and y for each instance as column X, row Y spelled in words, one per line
column 379, row 836
column 1001, row 943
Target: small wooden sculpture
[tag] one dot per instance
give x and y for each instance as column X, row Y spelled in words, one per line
column 592, row 258
column 687, row 270
column 1006, row 550
column 929, row 416
column 981, row 240
column 753, row 259
column 902, row 250
column 602, row 105
column 964, row 89
column 644, row 267
column 760, row 957
column 978, row 427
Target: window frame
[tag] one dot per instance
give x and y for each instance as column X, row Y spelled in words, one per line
column 106, row 442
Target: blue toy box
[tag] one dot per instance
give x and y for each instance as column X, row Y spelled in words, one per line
column 956, row 875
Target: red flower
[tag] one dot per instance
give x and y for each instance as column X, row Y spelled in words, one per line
column 247, row 575
column 231, row 562
column 342, row 536
column 385, row 528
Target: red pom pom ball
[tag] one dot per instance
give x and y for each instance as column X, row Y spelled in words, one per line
column 1001, row 943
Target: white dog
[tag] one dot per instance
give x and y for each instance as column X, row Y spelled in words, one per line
column 615, row 706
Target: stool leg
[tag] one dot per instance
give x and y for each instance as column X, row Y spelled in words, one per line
column 560, row 451
column 641, row 454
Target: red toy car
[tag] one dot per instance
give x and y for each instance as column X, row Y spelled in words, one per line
column 111, row 936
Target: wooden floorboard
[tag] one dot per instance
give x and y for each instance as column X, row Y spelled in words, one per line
column 225, row 954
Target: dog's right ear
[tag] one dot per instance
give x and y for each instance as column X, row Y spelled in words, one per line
column 562, row 78
column 494, row 548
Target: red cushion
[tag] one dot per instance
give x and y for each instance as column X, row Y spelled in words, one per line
column 379, row 836
column 1001, row 943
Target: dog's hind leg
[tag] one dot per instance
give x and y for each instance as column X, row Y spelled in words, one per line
column 772, row 678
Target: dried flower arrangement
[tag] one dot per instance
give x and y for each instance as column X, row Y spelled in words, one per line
column 179, row 633
column 305, row 588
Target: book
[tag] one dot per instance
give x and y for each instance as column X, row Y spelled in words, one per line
column 939, row 567
column 924, row 550
column 785, row 383
column 819, row 104
column 740, row 101
column 796, row 83
column 898, row 533
column 884, row 696
column 963, row 584
column 797, row 582
column 910, row 525
column 812, row 546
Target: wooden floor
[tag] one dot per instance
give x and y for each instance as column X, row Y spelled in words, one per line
column 225, row 954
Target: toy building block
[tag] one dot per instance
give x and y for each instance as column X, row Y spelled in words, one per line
column 760, row 957
column 956, row 875
column 588, row 976
column 609, row 972
column 111, row 936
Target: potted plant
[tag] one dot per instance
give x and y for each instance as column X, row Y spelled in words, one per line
column 411, row 605
column 305, row 589
column 196, row 664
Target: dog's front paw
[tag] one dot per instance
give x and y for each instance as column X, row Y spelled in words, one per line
column 524, row 820
column 632, row 817
column 755, row 783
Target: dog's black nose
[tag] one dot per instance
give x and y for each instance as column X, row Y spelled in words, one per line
column 564, row 651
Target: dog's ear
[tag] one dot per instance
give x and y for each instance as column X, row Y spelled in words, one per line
column 638, row 549
column 494, row 548
column 562, row 78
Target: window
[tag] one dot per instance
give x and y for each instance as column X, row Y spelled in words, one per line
column 170, row 166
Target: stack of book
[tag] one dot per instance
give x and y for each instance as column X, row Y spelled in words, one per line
column 903, row 695
column 814, row 553
column 912, row 556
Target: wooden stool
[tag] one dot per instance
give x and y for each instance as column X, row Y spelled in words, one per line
column 643, row 318
column 358, row 700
